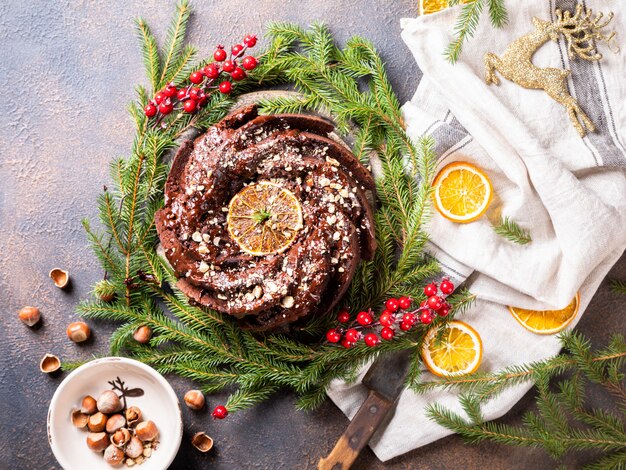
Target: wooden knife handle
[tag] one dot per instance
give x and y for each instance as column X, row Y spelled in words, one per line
column 357, row 435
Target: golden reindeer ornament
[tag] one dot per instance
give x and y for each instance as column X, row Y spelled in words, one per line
column 580, row 30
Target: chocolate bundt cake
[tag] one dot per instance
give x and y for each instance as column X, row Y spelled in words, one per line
column 266, row 218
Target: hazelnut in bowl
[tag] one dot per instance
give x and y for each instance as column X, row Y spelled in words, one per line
column 114, row 413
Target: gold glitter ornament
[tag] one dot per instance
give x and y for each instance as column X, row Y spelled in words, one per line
column 581, row 31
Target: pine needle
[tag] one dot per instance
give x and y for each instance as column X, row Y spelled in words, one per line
column 618, row 286
column 510, row 230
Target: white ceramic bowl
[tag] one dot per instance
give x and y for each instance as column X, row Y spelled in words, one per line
column 159, row 403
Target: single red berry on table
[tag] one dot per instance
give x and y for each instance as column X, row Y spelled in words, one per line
column 220, row 412
column 190, row 105
column 387, row 333
column 229, row 66
column 170, row 90
column 372, row 339
column 333, row 336
column 405, row 326
column 166, row 106
column 364, row 318
column 219, row 54
column 392, row 304
column 352, row 335
column 405, row 302
column 347, row 344
column 181, row 94
column 343, row 316
column 150, row 110
column 426, row 317
column 250, row 40
column 446, row 287
column 444, row 310
column 226, row 87
column 387, row 318
column 249, row 62
column 236, row 50
column 211, row 70
column 430, row 289
column 435, row 302
column 196, row 77
column 160, row 96
column 408, row 318
column 238, row 74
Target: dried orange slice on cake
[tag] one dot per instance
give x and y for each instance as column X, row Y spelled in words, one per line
column 433, row 6
column 546, row 322
column 462, row 192
column 264, row 218
column 458, row 352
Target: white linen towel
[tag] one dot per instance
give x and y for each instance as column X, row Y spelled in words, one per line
column 568, row 192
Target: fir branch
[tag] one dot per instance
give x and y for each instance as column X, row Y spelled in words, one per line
column 150, row 53
column 618, row 286
column 510, row 230
column 174, row 43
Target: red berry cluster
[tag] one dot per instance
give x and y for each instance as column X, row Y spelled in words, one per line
column 396, row 311
column 205, row 79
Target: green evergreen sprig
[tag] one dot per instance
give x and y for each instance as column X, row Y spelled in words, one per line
column 201, row 344
column 510, row 230
column 563, row 421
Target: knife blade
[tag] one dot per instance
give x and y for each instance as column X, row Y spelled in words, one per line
column 385, row 381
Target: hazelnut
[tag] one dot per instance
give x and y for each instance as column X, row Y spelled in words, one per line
column 146, row 431
column 97, row 441
column 134, row 448
column 78, row 331
column 79, row 419
column 194, row 399
column 202, row 442
column 115, row 422
column 133, row 415
column 113, row 455
column 60, row 277
column 109, row 402
column 49, row 363
column 89, row 405
column 29, row 315
column 143, row 334
column 97, row 422
column 120, row 437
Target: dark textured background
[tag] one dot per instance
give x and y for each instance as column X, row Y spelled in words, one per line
column 68, row 70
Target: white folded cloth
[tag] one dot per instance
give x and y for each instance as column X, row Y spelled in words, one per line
column 568, row 192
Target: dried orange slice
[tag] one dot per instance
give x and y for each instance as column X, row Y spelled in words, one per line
column 462, row 192
column 459, row 352
column 433, row 6
column 264, row 218
column 546, row 322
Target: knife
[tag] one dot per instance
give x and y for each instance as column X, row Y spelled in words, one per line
column 385, row 381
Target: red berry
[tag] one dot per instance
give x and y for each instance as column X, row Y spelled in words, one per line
column 405, row 326
column 430, row 290
column 405, row 302
column 196, row 77
column 333, row 336
column 364, row 318
column 392, row 304
column 435, row 302
column 387, row 333
column 219, row 54
column 211, row 70
column 190, row 105
column 249, row 62
column 236, row 50
column 181, row 94
column 196, row 94
column 443, row 311
column 426, row 318
column 202, row 101
column 446, row 287
column 229, row 66
column 387, row 318
column 166, row 106
column 170, row 90
column 424, row 303
column 372, row 339
column 220, row 412
column 238, row 74
column 160, row 96
column 226, row 87
column 150, row 110
column 408, row 318
column 347, row 344
column 250, row 40
column 343, row 316
column 352, row 335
